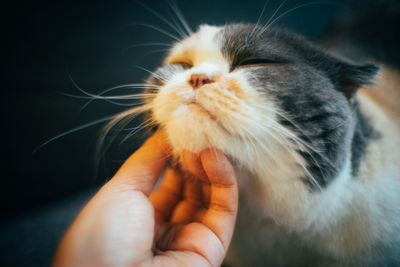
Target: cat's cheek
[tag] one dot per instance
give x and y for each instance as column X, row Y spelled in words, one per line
column 162, row 107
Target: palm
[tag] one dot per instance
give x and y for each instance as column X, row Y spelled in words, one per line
column 178, row 201
column 192, row 224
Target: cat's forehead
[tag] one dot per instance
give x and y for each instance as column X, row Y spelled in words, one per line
column 225, row 45
column 204, row 45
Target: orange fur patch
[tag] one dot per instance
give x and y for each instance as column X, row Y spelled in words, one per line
column 386, row 94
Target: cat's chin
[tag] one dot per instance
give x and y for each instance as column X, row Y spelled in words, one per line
column 193, row 110
column 193, row 128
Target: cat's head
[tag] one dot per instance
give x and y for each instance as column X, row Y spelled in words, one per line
column 266, row 97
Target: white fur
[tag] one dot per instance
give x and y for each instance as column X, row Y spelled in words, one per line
column 343, row 223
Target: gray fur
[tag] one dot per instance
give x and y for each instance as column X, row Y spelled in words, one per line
column 314, row 93
column 312, row 88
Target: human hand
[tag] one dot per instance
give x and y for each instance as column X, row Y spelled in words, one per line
column 185, row 221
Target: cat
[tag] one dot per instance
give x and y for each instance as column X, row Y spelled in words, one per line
column 314, row 138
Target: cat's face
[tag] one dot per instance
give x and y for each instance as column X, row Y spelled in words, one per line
column 264, row 97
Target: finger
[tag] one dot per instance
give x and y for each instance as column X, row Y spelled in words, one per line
column 221, row 214
column 169, row 193
column 206, row 190
column 201, row 211
column 199, row 215
column 142, row 169
column 192, row 200
column 198, row 244
column 193, row 164
column 211, row 237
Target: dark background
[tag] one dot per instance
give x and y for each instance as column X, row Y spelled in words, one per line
column 45, row 43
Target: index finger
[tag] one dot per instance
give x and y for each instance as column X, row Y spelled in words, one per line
column 142, row 169
column 220, row 217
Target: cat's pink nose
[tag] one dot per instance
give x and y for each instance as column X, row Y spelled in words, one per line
column 197, row 80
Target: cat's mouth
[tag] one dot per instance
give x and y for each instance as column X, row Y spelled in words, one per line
column 194, row 106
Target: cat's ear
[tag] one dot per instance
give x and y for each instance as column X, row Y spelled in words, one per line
column 350, row 77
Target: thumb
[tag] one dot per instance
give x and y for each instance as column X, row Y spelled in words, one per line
column 142, row 169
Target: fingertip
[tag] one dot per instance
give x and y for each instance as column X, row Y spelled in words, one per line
column 217, row 166
column 159, row 140
column 142, row 169
column 193, row 164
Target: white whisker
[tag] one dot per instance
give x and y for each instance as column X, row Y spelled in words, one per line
column 158, row 29
column 263, row 29
column 146, row 44
column 151, row 72
column 293, row 9
column 136, row 129
column 84, row 126
column 158, row 15
column 175, row 8
column 121, row 120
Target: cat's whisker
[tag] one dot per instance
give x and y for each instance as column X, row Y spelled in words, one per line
column 117, row 122
column 136, row 129
column 130, row 86
column 284, row 143
column 84, row 92
column 280, row 140
column 303, row 145
column 125, row 86
column 76, row 129
column 134, row 85
column 108, row 99
column 298, row 159
column 263, row 29
column 146, row 44
column 163, row 19
column 177, row 25
column 250, row 136
column 291, row 135
column 177, row 19
column 118, row 97
column 300, row 143
column 293, row 9
column 175, row 8
column 152, row 73
column 159, row 30
column 250, row 36
column 156, row 51
column 77, row 86
column 93, row 96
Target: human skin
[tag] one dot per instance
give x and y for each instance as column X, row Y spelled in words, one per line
column 184, row 221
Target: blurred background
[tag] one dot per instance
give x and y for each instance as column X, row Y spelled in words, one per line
column 50, row 45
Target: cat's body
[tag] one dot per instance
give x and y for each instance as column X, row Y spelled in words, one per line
column 315, row 145
column 353, row 222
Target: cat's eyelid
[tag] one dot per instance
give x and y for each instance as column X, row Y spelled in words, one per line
column 182, row 64
column 259, row 61
column 251, row 62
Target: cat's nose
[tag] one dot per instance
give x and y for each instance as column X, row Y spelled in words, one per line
column 197, row 80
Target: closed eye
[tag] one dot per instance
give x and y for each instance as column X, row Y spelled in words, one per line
column 184, row 65
column 255, row 62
